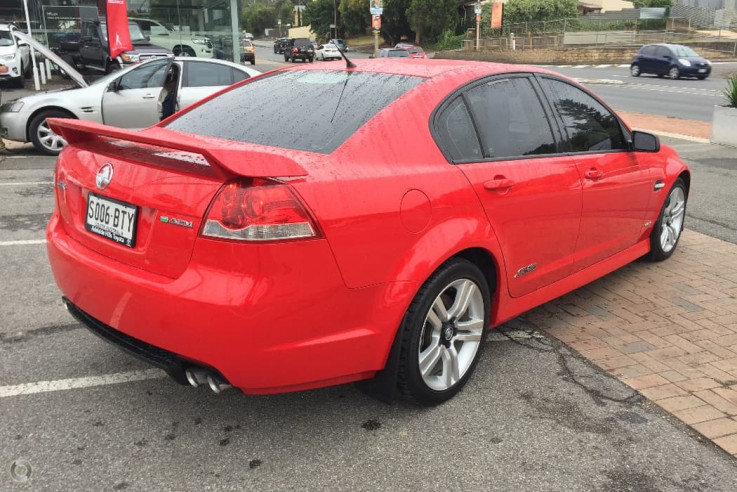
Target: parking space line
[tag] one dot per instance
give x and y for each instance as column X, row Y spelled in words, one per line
column 25, row 242
column 77, row 383
column 27, row 183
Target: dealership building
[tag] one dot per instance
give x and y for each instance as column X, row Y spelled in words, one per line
column 219, row 20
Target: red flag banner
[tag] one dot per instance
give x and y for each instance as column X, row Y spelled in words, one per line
column 118, row 35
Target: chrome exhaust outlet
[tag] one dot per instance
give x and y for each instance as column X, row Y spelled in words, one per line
column 217, row 385
column 196, row 376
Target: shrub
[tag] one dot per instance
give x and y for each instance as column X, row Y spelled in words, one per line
column 731, row 91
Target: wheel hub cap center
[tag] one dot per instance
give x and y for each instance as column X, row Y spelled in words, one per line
column 446, row 333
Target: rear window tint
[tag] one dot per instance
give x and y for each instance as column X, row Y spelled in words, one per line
column 315, row 111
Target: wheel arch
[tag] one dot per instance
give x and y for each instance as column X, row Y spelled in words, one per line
column 41, row 110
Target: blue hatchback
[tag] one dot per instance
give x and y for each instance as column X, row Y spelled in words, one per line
column 673, row 60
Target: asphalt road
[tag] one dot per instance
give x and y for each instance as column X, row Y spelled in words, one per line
column 690, row 99
column 535, row 416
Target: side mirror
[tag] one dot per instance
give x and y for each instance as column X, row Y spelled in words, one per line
column 113, row 86
column 645, row 142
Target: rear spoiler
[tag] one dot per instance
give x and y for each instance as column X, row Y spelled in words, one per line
column 231, row 158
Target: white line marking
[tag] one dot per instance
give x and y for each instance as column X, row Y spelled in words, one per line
column 27, row 183
column 76, row 383
column 26, row 242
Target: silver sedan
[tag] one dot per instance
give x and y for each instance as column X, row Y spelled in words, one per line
column 129, row 98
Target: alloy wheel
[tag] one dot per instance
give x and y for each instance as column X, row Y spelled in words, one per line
column 672, row 222
column 50, row 140
column 635, row 70
column 451, row 334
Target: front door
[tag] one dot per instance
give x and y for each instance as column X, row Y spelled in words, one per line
column 530, row 192
column 131, row 101
column 616, row 187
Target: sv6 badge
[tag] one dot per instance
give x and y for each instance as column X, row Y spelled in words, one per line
column 175, row 221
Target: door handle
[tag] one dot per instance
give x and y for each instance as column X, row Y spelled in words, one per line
column 498, row 183
column 593, row 173
column 149, row 96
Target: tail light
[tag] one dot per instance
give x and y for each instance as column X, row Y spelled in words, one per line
column 295, row 50
column 258, row 210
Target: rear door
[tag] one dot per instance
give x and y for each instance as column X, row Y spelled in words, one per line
column 131, row 101
column 616, row 187
column 662, row 60
column 530, row 191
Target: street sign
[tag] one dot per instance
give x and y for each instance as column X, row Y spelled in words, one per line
column 376, row 24
column 376, row 7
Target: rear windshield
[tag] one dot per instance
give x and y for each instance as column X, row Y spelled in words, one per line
column 315, row 111
column 302, row 42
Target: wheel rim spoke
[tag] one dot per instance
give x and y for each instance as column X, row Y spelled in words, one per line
column 451, row 370
column 429, row 359
column 462, row 300
column 438, row 308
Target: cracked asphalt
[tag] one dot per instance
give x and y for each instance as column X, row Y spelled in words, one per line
column 535, row 416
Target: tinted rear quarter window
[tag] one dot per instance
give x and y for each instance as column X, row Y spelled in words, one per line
column 322, row 110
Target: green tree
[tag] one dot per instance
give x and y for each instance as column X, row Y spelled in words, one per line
column 285, row 11
column 394, row 22
column 652, row 3
column 518, row 11
column 319, row 15
column 429, row 18
column 257, row 18
column 355, row 16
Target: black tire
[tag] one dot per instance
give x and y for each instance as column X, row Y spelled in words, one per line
column 635, row 70
column 311, row 59
column 183, row 51
column 435, row 340
column 674, row 73
column 44, row 139
column 286, row 59
column 669, row 226
column 253, row 60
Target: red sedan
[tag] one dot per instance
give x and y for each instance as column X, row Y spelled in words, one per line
column 231, row 246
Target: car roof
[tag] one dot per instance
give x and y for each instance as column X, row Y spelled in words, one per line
column 431, row 68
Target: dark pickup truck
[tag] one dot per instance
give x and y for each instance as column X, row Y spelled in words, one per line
column 91, row 52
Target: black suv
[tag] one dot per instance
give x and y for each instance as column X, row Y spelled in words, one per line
column 299, row 49
column 279, row 45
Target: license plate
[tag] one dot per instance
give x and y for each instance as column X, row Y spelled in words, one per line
column 702, row 70
column 112, row 219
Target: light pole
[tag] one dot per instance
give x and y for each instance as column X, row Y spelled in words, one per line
column 335, row 19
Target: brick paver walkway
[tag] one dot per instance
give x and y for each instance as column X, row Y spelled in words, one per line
column 668, row 330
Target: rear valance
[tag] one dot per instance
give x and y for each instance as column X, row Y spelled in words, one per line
column 158, row 145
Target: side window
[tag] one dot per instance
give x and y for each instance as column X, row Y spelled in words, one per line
column 148, row 75
column 238, row 75
column 663, row 52
column 456, row 134
column 590, row 126
column 510, row 118
column 649, row 50
column 203, row 74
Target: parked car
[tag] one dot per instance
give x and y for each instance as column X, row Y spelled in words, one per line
column 299, row 49
column 340, row 43
column 129, row 98
column 249, row 52
column 248, row 36
column 279, row 45
column 180, row 43
column 672, row 60
column 494, row 189
column 393, row 53
column 415, row 52
column 15, row 54
column 327, row 51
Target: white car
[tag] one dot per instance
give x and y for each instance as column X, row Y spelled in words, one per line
column 15, row 55
column 180, row 43
column 327, row 51
column 129, row 98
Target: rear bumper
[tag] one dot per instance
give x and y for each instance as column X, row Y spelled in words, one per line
column 266, row 332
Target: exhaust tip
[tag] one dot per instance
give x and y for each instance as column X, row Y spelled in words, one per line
column 217, row 385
